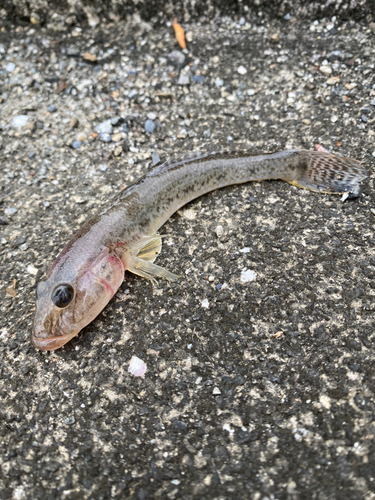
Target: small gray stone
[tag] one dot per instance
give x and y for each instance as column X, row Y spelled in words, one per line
column 151, row 116
column 207, row 134
column 184, row 80
column 115, row 120
column 10, row 211
column 70, row 420
column 104, row 137
column 19, row 240
column 103, row 167
column 104, row 127
column 198, row 78
column 155, row 158
column 219, row 82
column 133, row 93
column 176, row 57
column 76, row 144
column 72, row 52
column 150, row 126
column 10, row 67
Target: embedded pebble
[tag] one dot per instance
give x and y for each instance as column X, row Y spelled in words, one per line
column 150, row 126
column 10, row 67
column 176, row 57
column 247, row 275
column 52, row 108
column 105, row 137
column 219, row 231
column 81, row 137
column 137, row 367
column 219, row 82
column 104, row 127
column 117, row 137
column 151, row 116
column 115, row 120
column 205, row 304
column 20, row 121
column 325, row 70
column 9, row 212
column 155, row 158
column 242, row 70
column 184, row 80
column 76, row 144
column 32, row 270
column 103, row 167
column 333, row 80
column 198, row 78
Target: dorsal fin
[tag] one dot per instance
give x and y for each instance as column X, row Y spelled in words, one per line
column 195, row 157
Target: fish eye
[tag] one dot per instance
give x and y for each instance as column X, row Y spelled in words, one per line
column 62, row 295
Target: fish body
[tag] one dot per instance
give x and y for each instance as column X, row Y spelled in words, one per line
column 123, row 236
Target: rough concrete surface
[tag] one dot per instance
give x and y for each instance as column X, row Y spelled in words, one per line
column 93, row 12
column 255, row 388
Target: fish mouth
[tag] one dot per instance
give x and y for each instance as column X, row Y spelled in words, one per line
column 51, row 343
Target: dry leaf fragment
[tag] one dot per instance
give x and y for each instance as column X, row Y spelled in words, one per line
column 61, row 86
column 12, row 290
column 179, row 34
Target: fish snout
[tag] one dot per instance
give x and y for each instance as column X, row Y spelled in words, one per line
column 49, row 338
column 50, row 343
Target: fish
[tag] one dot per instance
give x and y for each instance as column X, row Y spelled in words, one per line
column 123, row 235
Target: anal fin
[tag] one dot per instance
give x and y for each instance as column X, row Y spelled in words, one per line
column 149, row 270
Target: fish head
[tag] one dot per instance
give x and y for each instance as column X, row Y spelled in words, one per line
column 65, row 306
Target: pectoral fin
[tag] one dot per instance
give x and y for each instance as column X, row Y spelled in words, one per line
column 151, row 250
column 148, row 270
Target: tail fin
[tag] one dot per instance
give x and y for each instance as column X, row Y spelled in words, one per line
column 328, row 173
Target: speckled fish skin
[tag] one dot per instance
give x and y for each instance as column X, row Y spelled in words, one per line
column 123, row 236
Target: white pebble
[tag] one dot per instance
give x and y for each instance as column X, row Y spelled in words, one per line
column 326, row 70
column 137, row 367
column 245, row 250
column 10, row 211
column 227, row 427
column 205, row 304
column 32, row 270
column 219, row 231
column 247, row 275
column 242, row 70
column 19, row 121
column 216, row 391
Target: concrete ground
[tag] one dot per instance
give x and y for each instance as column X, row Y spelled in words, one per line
column 260, row 361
